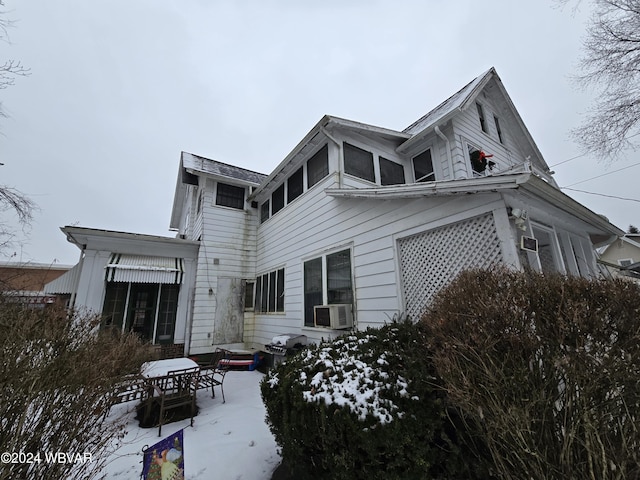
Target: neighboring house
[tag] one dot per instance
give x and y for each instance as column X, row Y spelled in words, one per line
column 366, row 223
column 622, row 257
column 25, row 282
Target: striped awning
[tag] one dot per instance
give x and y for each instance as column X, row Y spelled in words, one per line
column 65, row 283
column 144, row 269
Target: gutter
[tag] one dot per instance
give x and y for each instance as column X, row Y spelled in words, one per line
column 446, row 141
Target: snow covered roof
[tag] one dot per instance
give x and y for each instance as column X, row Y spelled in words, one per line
column 454, row 103
column 220, row 169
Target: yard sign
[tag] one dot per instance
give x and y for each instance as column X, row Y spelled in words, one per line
column 165, row 459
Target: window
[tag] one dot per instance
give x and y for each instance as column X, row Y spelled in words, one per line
column 423, row 167
column 294, row 185
column 483, row 124
column 318, row 166
column 391, row 173
column 498, row 129
column 270, row 292
column 168, row 309
column 277, row 200
column 358, row 162
column 248, row 295
column 327, row 281
column 230, row 196
column 264, row 211
column 548, row 254
column 479, row 162
column 625, row 262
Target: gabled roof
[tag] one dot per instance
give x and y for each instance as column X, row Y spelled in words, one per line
column 451, row 105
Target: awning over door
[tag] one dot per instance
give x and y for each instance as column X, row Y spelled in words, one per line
column 144, row 269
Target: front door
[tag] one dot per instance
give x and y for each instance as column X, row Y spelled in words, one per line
column 142, row 309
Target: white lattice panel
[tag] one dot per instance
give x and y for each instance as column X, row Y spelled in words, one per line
column 432, row 259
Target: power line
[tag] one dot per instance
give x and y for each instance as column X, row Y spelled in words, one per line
column 583, row 154
column 600, row 176
column 601, row 194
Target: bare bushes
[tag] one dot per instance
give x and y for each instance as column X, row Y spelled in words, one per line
column 57, row 375
column 548, row 369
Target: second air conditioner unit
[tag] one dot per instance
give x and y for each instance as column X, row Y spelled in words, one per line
column 333, row 316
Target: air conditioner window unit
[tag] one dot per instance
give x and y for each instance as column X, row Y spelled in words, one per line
column 333, row 316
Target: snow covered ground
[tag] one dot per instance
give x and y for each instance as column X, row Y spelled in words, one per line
column 228, row 440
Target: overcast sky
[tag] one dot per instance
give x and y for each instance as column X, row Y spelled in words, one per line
column 119, row 88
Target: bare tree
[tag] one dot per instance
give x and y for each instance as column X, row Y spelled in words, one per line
column 10, row 198
column 611, row 64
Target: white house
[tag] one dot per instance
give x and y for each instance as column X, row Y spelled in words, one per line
column 364, row 222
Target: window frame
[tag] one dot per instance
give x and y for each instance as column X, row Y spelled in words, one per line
column 227, row 196
column 423, row 178
column 382, row 161
column 270, row 292
column 482, row 118
column 496, row 121
column 277, row 199
column 364, row 170
column 324, row 278
column 295, row 185
column 318, row 166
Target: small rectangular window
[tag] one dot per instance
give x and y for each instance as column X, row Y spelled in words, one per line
column 264, row 211
column 498, row 129
column 294, row 185
column 277, row 200
column 358, row 162
column 312, row 288
column 483, row 124
column 230, row 196
column 423, row 167
column 248, row 295
column 318, row 166
column 391, row 173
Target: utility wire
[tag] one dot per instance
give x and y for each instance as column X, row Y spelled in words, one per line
column 601, row 194
column 600, row 176
column 583, row 154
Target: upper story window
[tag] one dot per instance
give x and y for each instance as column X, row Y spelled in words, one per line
column 277, row 200
column 294, row 185
column 391, row 173
column 318, row 166
column 230, row 196
column 358, row 162
column 483, row 123
column 498, row 129
column 479, row 161
column 423, row 167
column 264, row 211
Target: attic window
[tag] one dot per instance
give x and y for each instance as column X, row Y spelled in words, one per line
column 498, row 129
column 423, row 167
column 483, row 123
column 358, row 162
column 230, row 196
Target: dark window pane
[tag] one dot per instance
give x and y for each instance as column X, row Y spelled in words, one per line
column 318, row 166
column 248, row 295
column 358, row 162
column 280, row 291
column 483, row 124
column 167, row 313
column 339, row 277
column 265, row 293
column 114, row 303
column 264, row 211
column 272, row 291
column 423, row 167
column 391, row 173
column 312, row 288
column 258, row 302
column 230, row 196
column 277, row 200
column 498, row 129
column 294, row 185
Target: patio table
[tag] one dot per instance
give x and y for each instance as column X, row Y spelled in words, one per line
column 160, row 368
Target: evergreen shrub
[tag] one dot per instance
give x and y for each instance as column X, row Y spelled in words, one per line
column 366, row 405
column 548, row 366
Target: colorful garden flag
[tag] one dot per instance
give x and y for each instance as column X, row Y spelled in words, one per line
column 165, row 459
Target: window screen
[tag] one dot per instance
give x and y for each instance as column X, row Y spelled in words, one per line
column 318, row 167
column 391, row 173
column 423, row 167
column 230, row 196
column 358, row 162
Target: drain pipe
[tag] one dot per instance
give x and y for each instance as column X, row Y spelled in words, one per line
column 340, row 154
column 446, row 141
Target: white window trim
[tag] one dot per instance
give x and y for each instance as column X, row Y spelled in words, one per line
column 555, row 245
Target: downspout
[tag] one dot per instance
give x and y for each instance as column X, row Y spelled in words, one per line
column 448, row 146
column 340, row 155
